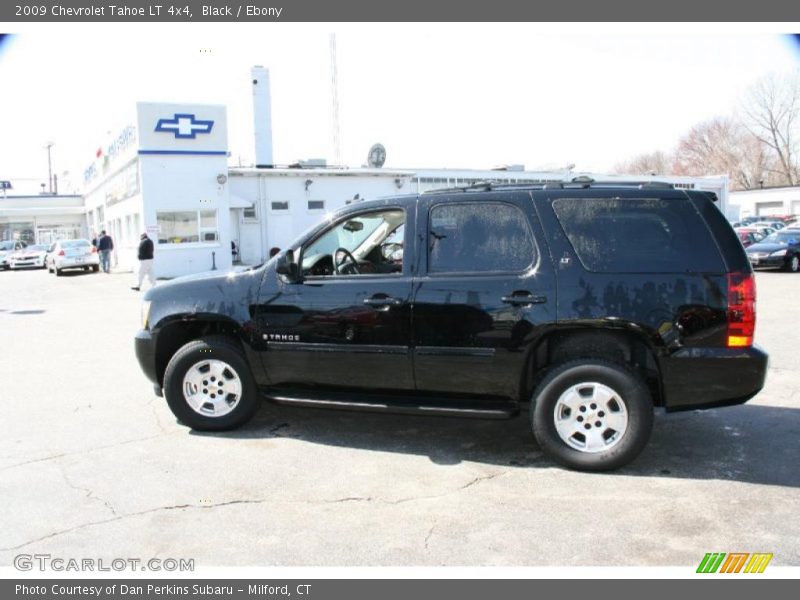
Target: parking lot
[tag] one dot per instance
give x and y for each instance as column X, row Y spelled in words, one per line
column 92, row 464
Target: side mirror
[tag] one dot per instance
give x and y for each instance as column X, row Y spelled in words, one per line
column 286, row 266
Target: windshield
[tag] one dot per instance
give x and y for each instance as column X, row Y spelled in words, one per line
column 74, row 243
column 6, row 246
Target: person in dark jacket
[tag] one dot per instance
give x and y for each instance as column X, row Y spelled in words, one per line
column 145, row 262
column 104, row 246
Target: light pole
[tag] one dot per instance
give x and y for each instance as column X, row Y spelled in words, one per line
column 49, row 167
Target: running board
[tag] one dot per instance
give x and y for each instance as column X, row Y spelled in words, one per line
column 405, row 405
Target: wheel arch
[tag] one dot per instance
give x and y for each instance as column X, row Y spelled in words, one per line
column 624, row 346
column 177, row 331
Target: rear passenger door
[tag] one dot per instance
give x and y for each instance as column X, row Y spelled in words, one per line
column 485, row 287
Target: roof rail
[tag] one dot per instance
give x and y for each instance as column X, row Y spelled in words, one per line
column 657, row 185
column 581, row 182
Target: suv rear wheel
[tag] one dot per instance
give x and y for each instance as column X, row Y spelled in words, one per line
column 208, row 385
column 592, row 415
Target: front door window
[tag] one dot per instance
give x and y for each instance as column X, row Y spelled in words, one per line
column 366, row 244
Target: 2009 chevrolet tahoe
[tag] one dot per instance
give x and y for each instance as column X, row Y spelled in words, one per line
column 589, row 303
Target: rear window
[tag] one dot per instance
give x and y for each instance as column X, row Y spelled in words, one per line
column 74, row 243
column 639, row 235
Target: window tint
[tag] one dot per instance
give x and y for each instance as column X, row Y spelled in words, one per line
column 474, row 237
column 649, row 235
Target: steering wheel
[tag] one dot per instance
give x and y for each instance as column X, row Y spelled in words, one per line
column 338, row 266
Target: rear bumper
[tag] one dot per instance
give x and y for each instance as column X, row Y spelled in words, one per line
column 77, row 262
column 145, row 349
column 697, row 378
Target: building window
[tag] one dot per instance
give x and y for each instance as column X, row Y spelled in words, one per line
column 250, row 214
column 187, row 227
column 316, row 205
column 208, row 226
column 279, row 206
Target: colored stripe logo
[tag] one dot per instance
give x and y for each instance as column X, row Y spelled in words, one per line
column 734, row 562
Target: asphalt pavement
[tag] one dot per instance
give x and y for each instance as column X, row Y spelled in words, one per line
column 92, row 464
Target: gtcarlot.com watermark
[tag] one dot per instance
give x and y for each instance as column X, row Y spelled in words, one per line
column 48, row 562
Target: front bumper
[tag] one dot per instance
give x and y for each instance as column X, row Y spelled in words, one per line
column 26, row 263
column 766, row 262
column 145, row 349
column 697, row 378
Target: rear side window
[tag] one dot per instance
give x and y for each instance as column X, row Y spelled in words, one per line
column 479, row 238
column 646, row 235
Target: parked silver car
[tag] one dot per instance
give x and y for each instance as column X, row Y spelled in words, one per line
column 72, row 254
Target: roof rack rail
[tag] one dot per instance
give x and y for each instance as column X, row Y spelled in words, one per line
column 657, row 185
column 581, row 182
column 485, row 186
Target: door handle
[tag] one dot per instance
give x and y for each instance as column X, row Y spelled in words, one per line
column 519, row 299
column 383, row 301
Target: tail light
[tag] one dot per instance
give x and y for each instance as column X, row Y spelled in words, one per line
column 741, row 309
column 62, row 253
column 94, row 250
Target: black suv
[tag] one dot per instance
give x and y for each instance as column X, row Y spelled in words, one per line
column 592, row 302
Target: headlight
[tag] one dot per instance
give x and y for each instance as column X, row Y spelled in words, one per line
column 146, row 313
column 778, row 253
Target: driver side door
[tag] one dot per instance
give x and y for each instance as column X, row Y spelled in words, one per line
column 348, row 329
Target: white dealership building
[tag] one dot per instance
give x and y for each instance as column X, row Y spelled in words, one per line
column 167, row 173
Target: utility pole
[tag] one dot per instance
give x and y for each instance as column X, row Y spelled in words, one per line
column 337, row 142
column 49, row 167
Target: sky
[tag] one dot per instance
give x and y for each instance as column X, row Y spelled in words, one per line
column 435, row 95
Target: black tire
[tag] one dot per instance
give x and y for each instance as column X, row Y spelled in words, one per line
column 792, row 264
column 212, row 348
column 58, row 271
column 95, row 268
column 629, row 388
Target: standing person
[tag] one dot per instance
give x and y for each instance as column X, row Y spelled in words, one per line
column 104, row 246
column 145, row 262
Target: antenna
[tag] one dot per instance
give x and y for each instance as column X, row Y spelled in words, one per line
column 337, row 147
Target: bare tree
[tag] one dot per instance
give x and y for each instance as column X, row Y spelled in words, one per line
column 772, row 115
column 650, row 163
column 723, row 146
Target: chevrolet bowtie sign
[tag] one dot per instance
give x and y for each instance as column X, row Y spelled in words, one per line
column 184, row 126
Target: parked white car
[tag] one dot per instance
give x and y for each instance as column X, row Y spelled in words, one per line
column 72, row 254
column 32, row 256
column 7, row 248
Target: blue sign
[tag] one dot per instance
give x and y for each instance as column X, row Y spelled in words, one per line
column 184, row 126
column 5, row 185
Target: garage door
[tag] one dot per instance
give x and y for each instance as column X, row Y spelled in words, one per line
column 769, row 208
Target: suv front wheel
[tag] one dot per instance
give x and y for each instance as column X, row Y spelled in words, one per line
column 592, row 415
column 208, row 385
